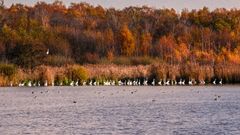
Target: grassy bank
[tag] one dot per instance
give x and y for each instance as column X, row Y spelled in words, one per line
column 10, row 74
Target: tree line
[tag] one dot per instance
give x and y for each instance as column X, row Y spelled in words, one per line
column 82, row 33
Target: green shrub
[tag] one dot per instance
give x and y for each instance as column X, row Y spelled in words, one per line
column 79, row 73
column 7, row 70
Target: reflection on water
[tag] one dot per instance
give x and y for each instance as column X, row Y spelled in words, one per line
column 120, row 110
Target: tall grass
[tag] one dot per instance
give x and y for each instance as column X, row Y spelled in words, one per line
column 45, row 73
column 113, row 71
column 230, row 73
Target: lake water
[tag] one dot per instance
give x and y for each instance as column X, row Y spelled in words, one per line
column 120, row 110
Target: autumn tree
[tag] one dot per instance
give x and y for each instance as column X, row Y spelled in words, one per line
column 182, row 53
column 145, row 44
column 84, row 33
column 165, row 48
column 127, row 41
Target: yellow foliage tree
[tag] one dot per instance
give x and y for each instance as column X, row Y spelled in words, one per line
column 127, row 41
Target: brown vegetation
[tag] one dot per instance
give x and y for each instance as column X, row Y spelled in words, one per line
column 40, row 42
column 100, row 72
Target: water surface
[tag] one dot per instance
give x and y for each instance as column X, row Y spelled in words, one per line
column 120, row 110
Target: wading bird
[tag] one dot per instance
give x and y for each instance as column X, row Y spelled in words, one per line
column 29, row 84
column 160, row 82
column 153, row 82
column 47, row 51
column 72, row 83
column 214, row 82
column 46, row 83
column 220, row 82
column 190, row 82
column 145, row 83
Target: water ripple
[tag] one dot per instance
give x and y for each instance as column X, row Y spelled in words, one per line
column 114, row 110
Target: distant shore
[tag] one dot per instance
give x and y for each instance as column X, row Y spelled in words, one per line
column 53, row 44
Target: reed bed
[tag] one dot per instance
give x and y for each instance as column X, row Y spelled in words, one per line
column 229, row 73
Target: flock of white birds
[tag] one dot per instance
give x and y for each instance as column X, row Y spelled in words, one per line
column 128, row 82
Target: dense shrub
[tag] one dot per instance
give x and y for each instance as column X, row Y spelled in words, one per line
column 78, row 73
column 7, row 70
column 27, row 55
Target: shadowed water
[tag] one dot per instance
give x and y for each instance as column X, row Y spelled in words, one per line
column 120, row 110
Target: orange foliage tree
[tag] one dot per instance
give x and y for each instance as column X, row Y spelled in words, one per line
column 145, row 44
column 127, row 41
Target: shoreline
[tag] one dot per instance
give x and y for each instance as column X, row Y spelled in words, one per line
column 81, row 86
column 111, row 74
column 103, row 86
